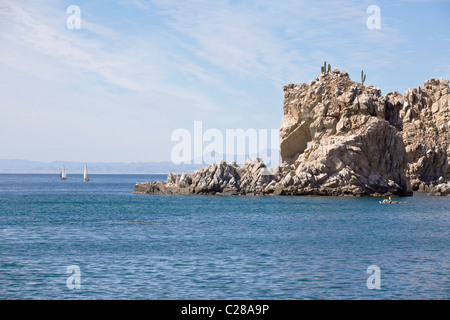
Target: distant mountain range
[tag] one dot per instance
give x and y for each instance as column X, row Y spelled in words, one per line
column 26, row 166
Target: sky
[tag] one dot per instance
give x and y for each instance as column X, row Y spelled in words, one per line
column 135, row 71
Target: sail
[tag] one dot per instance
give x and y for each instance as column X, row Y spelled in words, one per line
column 85, row 177
column 63, row 174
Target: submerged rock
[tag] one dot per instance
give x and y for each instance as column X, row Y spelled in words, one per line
column 390, row 201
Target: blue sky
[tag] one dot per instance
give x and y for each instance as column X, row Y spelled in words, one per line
column 117, row 88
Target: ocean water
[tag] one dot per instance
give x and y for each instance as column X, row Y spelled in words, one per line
column 131, row 246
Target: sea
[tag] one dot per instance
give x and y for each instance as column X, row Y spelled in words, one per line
column 94, row 240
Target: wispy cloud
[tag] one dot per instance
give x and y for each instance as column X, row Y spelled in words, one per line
column 275, row 41
column 150, row 66
column 232, row 37
column 136, row 64
column 255, row 40
column 29, row 29
column 137, row 3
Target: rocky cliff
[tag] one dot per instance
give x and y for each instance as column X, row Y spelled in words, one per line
column 354, row 149
column 422, row 115
column 339, row 137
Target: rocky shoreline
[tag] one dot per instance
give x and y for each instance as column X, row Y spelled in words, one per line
column 442, row 189
column 341, row 138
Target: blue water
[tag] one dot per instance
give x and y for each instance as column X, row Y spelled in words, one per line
column 131, row 246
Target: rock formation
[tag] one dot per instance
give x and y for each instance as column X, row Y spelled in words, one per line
column 339, row 137
column 423, row 117
column 252, row 178
column 354, row 149
column 390, row 201
column 442, row 189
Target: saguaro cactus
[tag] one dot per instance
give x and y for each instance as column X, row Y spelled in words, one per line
column 323, row 69
column 363, row 77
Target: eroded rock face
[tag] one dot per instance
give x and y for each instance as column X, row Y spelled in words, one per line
column 442, row 189
column 354, row 149
column 252, row 178
column 423, row 116
column 338, row 137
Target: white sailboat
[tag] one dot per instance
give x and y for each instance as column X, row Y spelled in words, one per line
column 85, row 177
column 62, row 175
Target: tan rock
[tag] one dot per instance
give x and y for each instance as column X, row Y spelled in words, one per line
column 361, row 143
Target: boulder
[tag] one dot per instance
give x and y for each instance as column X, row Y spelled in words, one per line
column 442, row 189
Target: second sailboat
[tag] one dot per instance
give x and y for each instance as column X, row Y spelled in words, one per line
column 85, row 176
